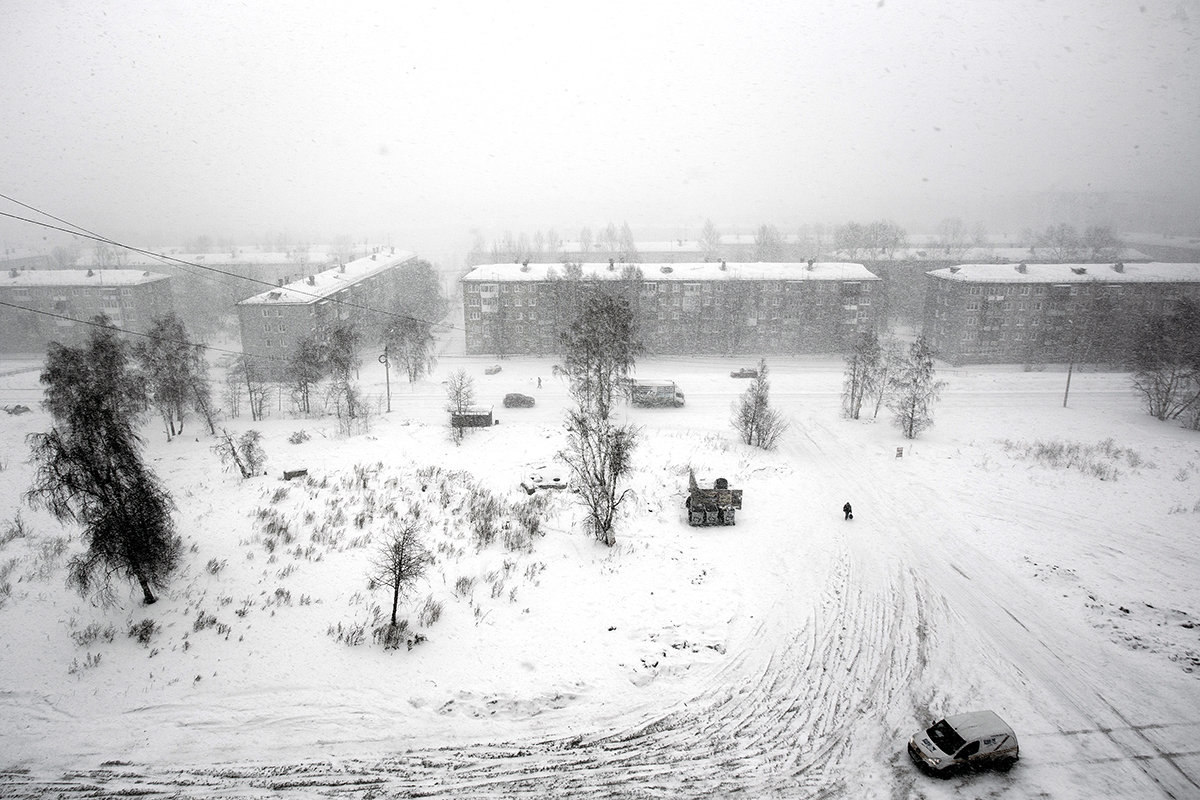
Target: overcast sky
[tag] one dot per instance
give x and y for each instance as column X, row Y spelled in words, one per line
column 415, row 122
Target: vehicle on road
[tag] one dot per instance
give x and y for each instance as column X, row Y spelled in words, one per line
column 655, row 393
column 744, row 372
column 517, row 400
column 974, row 740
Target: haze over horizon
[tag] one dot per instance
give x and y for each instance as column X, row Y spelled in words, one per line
column 413, row 125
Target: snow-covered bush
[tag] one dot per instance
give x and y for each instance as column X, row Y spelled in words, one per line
column 143, row 631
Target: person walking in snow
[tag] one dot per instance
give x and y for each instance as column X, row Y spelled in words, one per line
column 849, row 512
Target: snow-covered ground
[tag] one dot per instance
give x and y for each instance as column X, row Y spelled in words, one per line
column 791, row 655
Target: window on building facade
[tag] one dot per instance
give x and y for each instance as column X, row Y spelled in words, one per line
column 474, row 315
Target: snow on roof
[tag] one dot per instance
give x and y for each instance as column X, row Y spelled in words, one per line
column 752, row 238
column 315, row 257
column 1157, row 272
column 1163, row 240
column 329, row 282
column 977, row 254
column 702, row 271
column 79, row 277
column 670, row 246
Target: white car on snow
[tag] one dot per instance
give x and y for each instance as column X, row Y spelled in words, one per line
column 977, row 739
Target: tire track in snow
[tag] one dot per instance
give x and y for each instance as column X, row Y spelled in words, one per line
column 779, row 719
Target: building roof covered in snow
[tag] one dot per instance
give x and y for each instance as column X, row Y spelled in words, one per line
column 78, row 277
column 315, row 257
column 701, row 271
column 325, row 284
column 1153, row 272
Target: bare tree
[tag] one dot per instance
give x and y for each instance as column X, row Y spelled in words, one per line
column 1167, row 361
column 410, row 341
column 952, row 237
column 915, row 390
column 862, row 362
column 768, row 244
column 398, row 564
column 176, row 373
column 1061, row 241
column 246, row 452
column 460, row 394
column 1101, row 243
column 850, row 239
column 710, row 240
column 599, row 351
column 753, row 418
column 880, row 381
column 304, row 370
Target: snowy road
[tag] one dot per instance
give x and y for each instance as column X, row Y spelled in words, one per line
column 921, row 610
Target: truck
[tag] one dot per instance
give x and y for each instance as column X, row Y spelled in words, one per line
column 655, row 393
column 715, row 506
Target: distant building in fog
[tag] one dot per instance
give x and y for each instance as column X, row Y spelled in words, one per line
column 1036, row 313
column 684, row 308
column 364, row 291
column 63, row 301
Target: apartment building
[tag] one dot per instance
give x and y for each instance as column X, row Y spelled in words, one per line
column 681, row 308
column 1021, row 313
column 47, row 305
column 365, row 291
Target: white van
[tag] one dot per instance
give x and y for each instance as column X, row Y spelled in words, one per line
column 977, row 739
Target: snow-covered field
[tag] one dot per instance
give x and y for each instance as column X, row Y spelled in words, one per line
column 791, row 655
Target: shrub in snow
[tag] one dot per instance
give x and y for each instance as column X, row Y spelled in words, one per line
column 92, row 633
column 299, row 437
column 429, row 612
column 246, row 453
column 203, row 621
column 13, row 529
column 143, row 631
column 90, row 662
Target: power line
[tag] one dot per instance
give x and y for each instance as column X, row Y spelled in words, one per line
column 119, row 329
column 83, row 232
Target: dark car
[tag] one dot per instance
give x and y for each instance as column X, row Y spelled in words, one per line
column 744, row 372
column 517, row 400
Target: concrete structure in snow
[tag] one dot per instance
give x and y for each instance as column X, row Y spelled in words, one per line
column 365, row 291
column 63, row 301
column 1038, row 313
column 683, row 308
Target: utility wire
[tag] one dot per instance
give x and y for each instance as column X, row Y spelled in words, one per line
column 76, row 230
column 119, row 329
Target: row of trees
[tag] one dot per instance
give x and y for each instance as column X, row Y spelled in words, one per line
column 876, row 240
column 1062, row 242
column 882, row 373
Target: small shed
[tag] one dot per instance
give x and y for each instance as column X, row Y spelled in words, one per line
column 476, row 417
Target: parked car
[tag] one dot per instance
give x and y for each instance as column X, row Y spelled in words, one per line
column 744, row 372
column 517, row 400
column 965, row 741
column 492, row 370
